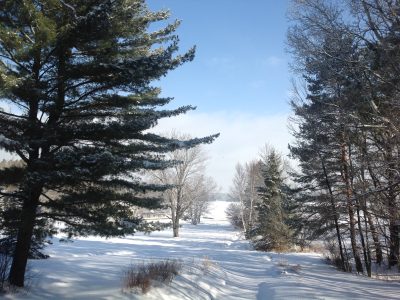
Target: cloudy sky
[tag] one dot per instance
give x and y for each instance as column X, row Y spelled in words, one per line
column 239, row 80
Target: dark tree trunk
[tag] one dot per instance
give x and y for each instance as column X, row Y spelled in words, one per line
column 353, row 241
column 364, row 244
column 31, row 200
column 24, row 238
column 394, row 243
column 394, row 239
column 335, row 215
column 350, row 208
column 366, row 251
column 373, row 230
column 375, row 237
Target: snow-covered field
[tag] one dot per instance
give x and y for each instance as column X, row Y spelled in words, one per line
column 218, row 264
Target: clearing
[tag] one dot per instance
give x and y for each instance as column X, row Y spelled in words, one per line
column 218, row 264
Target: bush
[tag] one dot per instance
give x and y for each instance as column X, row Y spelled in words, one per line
column 272, row 243
column 333, row 257
column 286, row 267
column 234, row 215
column 206, row 264
column 142, row 276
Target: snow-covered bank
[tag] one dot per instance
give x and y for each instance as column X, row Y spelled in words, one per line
column 218, row 265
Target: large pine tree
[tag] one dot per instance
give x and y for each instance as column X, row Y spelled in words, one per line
column 77, row 78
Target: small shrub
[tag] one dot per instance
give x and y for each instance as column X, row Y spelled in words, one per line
column 295, row 268
column 206, row 264
column 336, row 261
column 234, row 215
column 267, row 244
column 283, row 263
column 333, row 257
column 142, row 276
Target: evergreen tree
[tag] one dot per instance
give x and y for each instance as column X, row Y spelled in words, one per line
column 272, row 228
column 77, row 76
column 347, row 138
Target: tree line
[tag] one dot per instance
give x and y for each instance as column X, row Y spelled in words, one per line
column 346, row 122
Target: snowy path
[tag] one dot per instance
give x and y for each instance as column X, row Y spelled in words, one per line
column 219, row 265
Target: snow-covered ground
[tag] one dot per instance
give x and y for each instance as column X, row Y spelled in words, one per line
column 218, row 264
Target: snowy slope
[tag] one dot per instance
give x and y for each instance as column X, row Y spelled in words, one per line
column 218, row 265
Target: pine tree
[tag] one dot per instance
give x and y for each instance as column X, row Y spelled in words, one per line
column 77, row 76
column 274, row 232
column 347, row 137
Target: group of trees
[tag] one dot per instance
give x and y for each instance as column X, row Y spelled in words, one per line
column 346, row 124
column 191, row 190
column 261, row 201
column 76, row 76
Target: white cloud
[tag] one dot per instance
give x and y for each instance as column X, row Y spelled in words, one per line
column 242, row 137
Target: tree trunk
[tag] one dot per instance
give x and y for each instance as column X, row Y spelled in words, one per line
column 175, row 226
column 373, row 230
column 251, row 211
column 375, row 238
column 366, row 250
column 242, row 212
column 394, row 243
column 352, row 221
column 24, row 238
column 175, row 220
column 353, row 241
column 335, row 214
column 364, row 245
column 30, row 203
column 394, row 240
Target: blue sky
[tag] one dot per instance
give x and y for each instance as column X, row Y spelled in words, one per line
column 240, row 62
column 239, row 80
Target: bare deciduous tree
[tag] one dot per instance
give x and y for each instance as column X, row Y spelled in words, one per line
column 185, row 179
column 238, row 193
column 201, row 193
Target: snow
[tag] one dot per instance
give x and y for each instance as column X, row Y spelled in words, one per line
column 218, row 264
